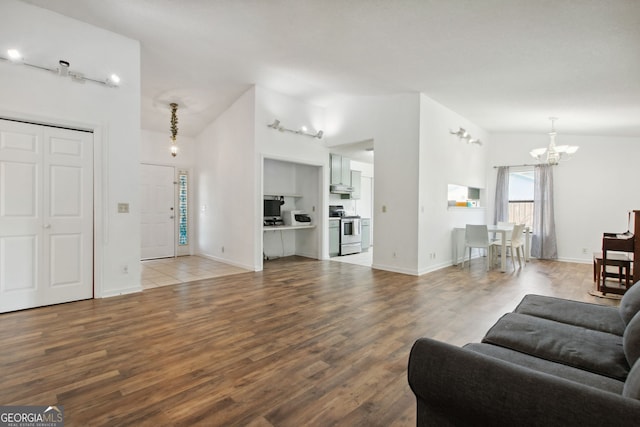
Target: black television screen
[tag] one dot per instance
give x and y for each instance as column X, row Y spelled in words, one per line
column 272, row 208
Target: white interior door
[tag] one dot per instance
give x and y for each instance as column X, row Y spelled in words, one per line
column 157, row 198
column 46, row 215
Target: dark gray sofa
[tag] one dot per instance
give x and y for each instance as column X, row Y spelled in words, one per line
column 551, row 362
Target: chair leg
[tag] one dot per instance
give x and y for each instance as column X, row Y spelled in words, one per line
column 489, row 255
column 523, row 263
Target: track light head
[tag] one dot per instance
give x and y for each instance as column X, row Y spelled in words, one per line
column 63, row 70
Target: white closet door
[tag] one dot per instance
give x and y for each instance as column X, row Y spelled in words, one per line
column 46, row 215
column 157, row 198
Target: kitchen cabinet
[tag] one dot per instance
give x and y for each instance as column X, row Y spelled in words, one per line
column 334, row 237
column 340, row 170
column 356, row 183
column 365, row 229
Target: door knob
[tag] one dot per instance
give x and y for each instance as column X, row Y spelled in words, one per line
column 171, row 217
column 47, row 226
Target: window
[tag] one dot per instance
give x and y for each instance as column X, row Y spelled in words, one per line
column 521, row 197
column 183, row 191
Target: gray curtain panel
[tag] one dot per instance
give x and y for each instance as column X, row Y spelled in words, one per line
column 501, row 203
column 543, row 242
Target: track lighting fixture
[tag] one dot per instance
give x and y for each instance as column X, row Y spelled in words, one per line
column 302, row 131
column 461, row 133
column 63, row 69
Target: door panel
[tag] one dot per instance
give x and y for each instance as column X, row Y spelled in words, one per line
column 66, row 256
column 46, row 215
column 18, row 264
column 68, row 219
column 157, row 196
column 66, row 191
column 18, row 200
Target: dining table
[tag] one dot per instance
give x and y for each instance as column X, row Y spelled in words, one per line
column 494, row 231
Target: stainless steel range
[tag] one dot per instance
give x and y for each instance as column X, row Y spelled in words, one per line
column 350, row 235
column 350, row 230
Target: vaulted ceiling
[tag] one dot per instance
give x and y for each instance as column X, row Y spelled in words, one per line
column 506, row 65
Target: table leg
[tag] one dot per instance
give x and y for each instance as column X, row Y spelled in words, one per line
column 503, row 254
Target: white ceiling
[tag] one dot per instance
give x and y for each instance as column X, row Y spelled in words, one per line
column 505, row 65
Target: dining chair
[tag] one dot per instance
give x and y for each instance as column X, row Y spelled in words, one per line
column 477, row 236
column 508, row 233
column 517, row 244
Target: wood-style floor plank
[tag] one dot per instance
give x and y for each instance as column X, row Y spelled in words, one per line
column 303, row 342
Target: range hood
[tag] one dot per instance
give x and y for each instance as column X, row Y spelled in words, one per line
column 340, row 189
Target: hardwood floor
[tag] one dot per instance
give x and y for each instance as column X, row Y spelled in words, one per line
column 303, row 342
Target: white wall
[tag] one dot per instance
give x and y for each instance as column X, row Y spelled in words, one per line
column 593, row 191
column 155, row 149
column 310, row 153
column 445, row 159
column 393, row 122
column 415, row 159
column 225, row 186
column 44, row 38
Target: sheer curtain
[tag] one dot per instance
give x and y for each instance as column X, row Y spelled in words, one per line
column 501, row 203
column 543, row 243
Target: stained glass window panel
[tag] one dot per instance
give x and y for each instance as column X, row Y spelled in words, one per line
column 183, row 224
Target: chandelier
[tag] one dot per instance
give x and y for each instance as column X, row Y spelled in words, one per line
column 554, row 153
column 174, row 128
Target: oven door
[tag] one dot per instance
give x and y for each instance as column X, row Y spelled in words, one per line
column 350, row 236
column 350, row 231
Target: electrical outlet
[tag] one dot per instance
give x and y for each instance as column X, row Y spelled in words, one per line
column 123, row 207
column 125, row 269
column 585, row 251
column 222, row 249
column 384, row 209
column 394, row 255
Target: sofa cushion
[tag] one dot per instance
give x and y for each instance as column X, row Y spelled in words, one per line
column 630, row 303
column 632, row 384
column 591, row 316
column 595, row 351
column 552, row 368
column 631, row 340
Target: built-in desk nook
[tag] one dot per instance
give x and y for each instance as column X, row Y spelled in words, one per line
column 290, row 215
column 286, row 227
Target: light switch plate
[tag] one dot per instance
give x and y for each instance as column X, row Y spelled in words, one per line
column 123, row 207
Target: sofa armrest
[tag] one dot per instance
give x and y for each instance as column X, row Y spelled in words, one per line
column 455, row 386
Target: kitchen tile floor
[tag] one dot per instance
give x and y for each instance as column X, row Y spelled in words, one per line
column 363, row 258
column 171, row 271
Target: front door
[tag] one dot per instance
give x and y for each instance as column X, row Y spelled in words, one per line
column 157, row 197
column 46, row 215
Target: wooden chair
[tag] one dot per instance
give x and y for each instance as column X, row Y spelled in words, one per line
column 615, row 249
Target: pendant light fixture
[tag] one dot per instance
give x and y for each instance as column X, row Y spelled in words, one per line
column 554, row 153
column 174, row 128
